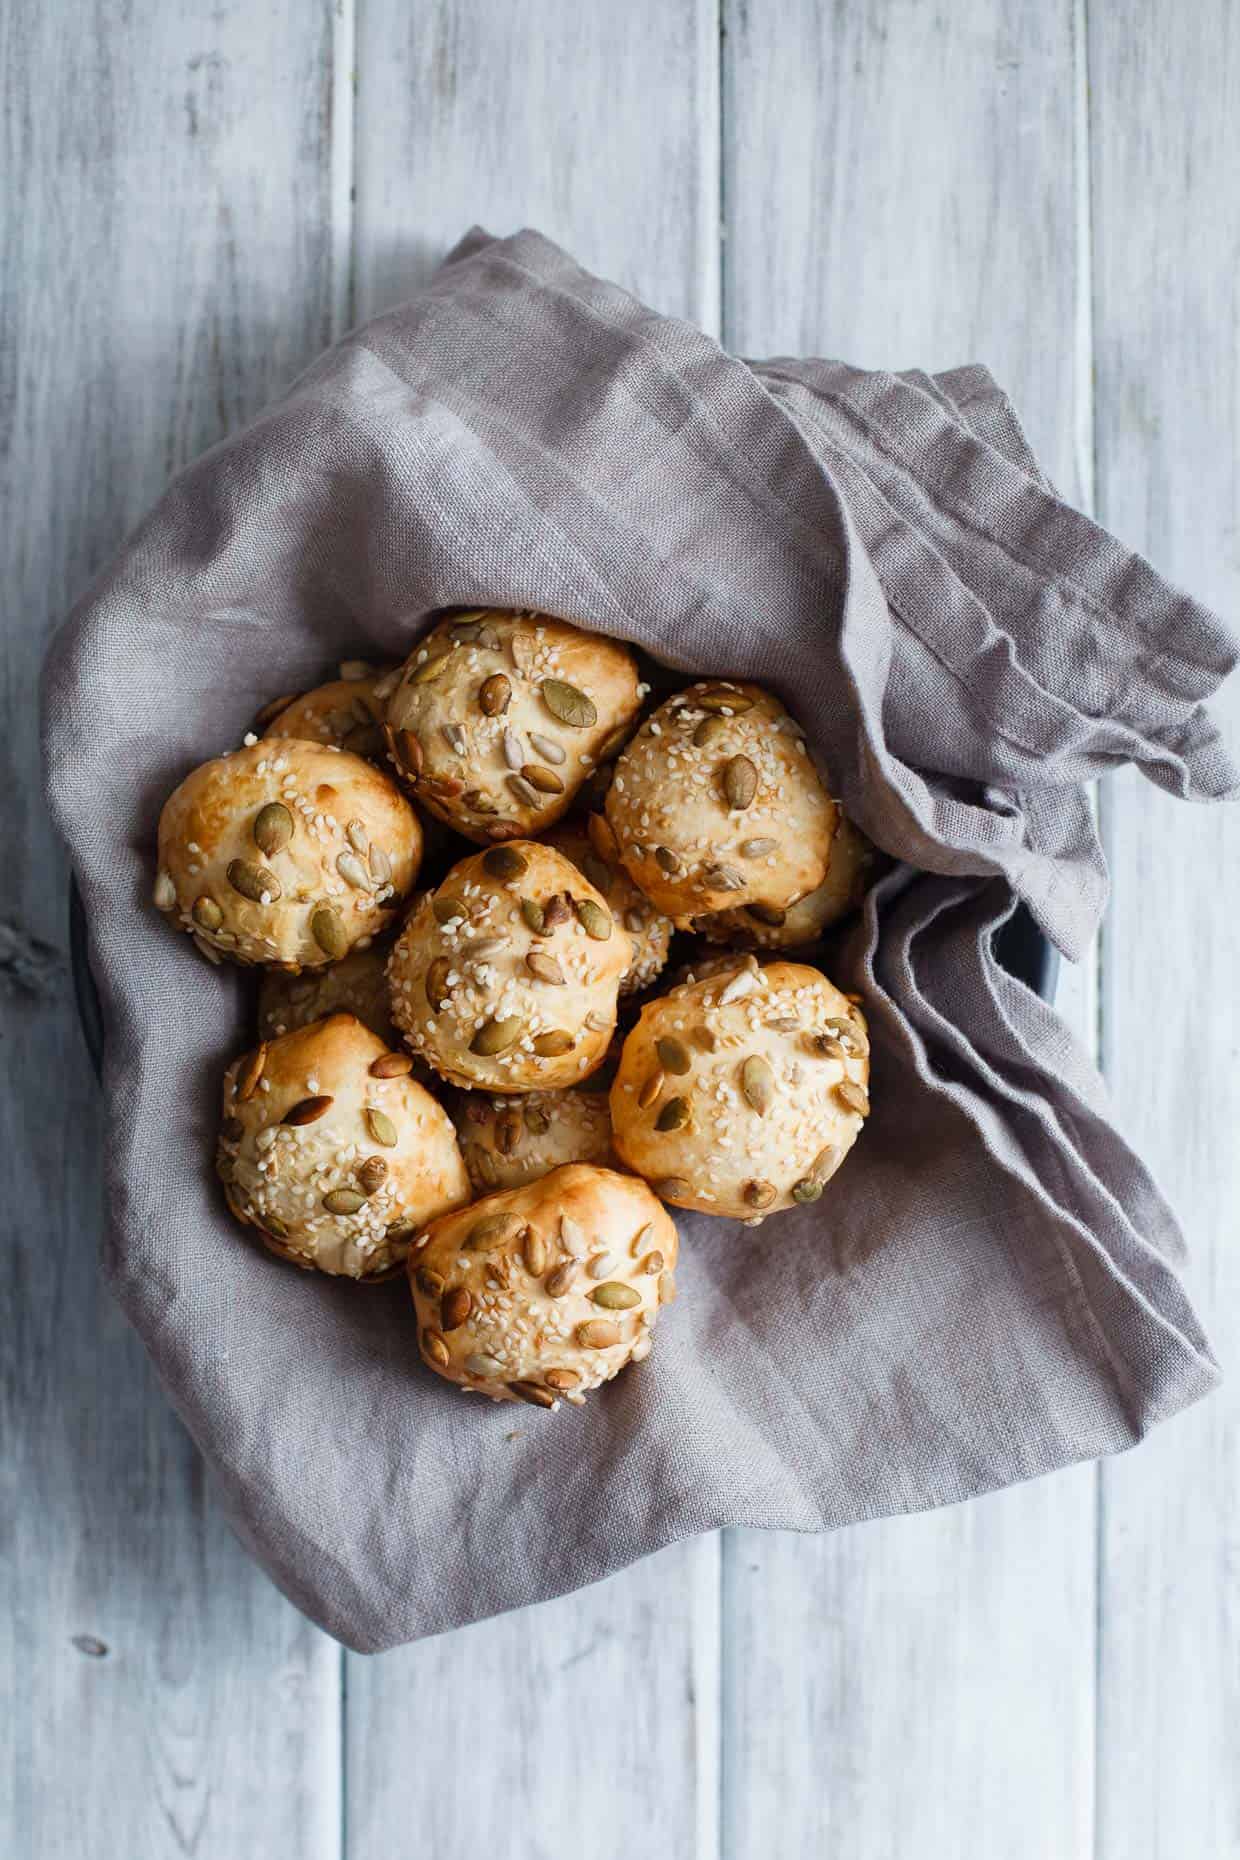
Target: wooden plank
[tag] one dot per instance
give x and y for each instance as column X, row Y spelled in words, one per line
column 588, row 1725
column 1165, row 84
column 899, row 190
column 167, row 265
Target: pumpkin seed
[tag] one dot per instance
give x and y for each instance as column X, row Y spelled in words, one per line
column 568, row 705
column 673, row 1055
column 545, row 781
column 828, row 1161
column 508, row 1130
column 561, row 1279
column 308, row 1110
column 769, row 914
column 545, row 968
column 435, row 1349
column 703, row 1038
column 455, row 1307
column 409, row 751
column 391, row 1066
column 740, row 782
column 668, row 862
column 327, row 929
column 343, row 1201
column 599, row 873
column 524, row 792
column 760, row 1194
column 514, row 754
column 672, row 1188
column 430, row 668
column 757, row 1084
column 372, row 1174
column 614, row 1295
column 852, row 1097
column 532, row 1392
column 850, row 1030
column 437, row 987
column 716, row 700
column 504, row 862
column 455, row 738
column 494, row 695
column 484, row 1366
column 165, row 893
column 650, row 1091
column 806, row 1190
column 548, row 748
column 493, row 1231
column 465, row 627
column 250, row 1073
column 272, row 1224
column 478, row 801
column 640, row 1238
column 826, row 1046
column 598, row 1333
column 254, row 881
column 207, row 914
column 429, row 1282
column 497, row 1035
column 603, row 838
column 674, row 1115
column 653, row 1262
column 553, row 1044
column 353, row 871
column 532, row 916
column 561, row 1378
column 667, row 1289
column 447, row 911
column 572, row 1235
column 537, row 1122
column 381, row 1127
column 534, row 1253
column 594, row 920
column 757, row 849
column 556, row 910
column 709, row 731
column 273, row 828
column 600, row 1265
column 723, row 878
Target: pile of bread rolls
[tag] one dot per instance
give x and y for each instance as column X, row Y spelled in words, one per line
column 487, row 1084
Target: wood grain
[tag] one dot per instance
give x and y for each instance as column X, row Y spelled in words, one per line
column 165, row 265
column 900, row 191
column 589, row 1725
column 1165, row 85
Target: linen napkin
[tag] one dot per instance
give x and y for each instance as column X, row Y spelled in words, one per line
column 989, row 1288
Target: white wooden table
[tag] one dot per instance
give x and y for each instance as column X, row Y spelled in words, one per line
column 200, row 194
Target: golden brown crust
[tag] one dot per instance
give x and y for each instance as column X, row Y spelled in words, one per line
column 508, row 1141
column 592, row 848
column 345, row 711
column 357, row 984
column 850, row 871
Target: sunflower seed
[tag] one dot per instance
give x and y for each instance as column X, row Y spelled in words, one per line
column 533, row 1393
column 674, row 1115
column 544, row 968
column 667, row 1289
column 568, row 705
column 447, row 911
column 497, row 1035
column 430, row 668
column 716, row 700
column 597, row 1333
column 504, row 862
column 635, row 919
column 560, row 1280
column 757, row 849
column 437, row 987
column 709, row 731
column 760, row 1194
column 826, row 1046
column 784, row 1023
column 481, row 948
column 308, row 1110
column 672, row 1188
column 668, row 862
column 850, row 1030
column 480, row 1162
column 600, row 1265
column 380, row 866
column 740, row 782
column 409, row 751
column 572, row 1235
column 807, row 1189
column 327, row 929
column 508, row 1130
column 343, row 1201
column 250, row 1073
column 652, row 1263
column 599, row 873
column 440, row 787
column 429, row 1282
column 547, row 748
column 852, row 1097
column 553, row 1044
column 637, row 1243
column 534, row 1253
column 435, row 1349
column 391, row 1066
column 769, row 914
column 556, row 910
column 272, row 1224
column 757, row 1084
column 372, row 1174
column 455, row 738
column 478, row 801
column 743, row 983
column 594, row 920
column 380, row 1126
column 494, row 695
column 207, row 914
column 455, row 1307
column 486, row 1367
column 254, row 881
column 598, row 1023
column 514, row 753
column 524, row 792
column 561, row 1378
column 165, row 893
column 723, row 878
column 353, row 871
column 545, row 781
column 493, row 1231
column 673, row 1055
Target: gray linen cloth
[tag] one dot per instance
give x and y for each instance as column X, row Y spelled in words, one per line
column 989, row 1288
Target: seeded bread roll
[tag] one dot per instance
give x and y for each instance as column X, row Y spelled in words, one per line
column 346, row 712
column 498, row 718
column 332, row 1152
column 547, row 1290
column 508, row 1141
column 716, row 804
column 850, row 869
column 591, row 845
column 742, row 1093
column 506, row 977
column 289, row 853
column 357, row 984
